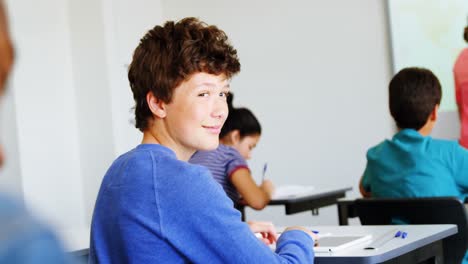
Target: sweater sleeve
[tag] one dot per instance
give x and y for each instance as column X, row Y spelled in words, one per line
column 201, row 222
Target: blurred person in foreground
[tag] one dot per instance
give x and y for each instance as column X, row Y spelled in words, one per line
column 23, row 239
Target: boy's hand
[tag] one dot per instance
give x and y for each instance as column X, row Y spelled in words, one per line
column 310, row 233
column 266, row 230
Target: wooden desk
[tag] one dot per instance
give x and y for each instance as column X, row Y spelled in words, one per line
column 422, row 245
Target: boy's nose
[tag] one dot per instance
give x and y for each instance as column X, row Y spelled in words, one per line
column 220, row 110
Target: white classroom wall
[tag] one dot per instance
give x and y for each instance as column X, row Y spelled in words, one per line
column 66, row 114
column 314, row 72
column 44, row 101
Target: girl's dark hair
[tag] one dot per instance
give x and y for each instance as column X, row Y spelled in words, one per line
column 169, row 54
column 465, row 34
column 241, row 119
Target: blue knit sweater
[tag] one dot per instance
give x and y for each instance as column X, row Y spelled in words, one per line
column 153, row 208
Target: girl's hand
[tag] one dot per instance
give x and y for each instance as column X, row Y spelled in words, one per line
column 268, row 187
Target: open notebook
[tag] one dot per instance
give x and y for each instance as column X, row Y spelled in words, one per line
column 292, row 191
column 335, row 243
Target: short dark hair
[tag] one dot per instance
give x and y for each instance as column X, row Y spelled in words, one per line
column 465, row 33
column 413, row 94
column 170, row 54
column 241, row 119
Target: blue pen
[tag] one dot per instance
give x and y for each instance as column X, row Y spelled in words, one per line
column 264, row 171
column 404, row 235
column 401, row 234
column 398, row 234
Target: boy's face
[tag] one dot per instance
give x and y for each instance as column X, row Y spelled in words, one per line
column 197, row 112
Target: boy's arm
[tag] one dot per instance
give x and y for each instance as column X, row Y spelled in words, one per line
column 203, row 225
column 255, row 196
column 364, row 186
column 460, row 167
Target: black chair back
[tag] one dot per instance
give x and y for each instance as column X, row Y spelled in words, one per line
column 434, row 210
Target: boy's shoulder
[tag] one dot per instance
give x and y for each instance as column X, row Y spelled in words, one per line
column 431, row 144
column 451, row 147
column 150, row 165
column 448, row 143
column 146, row 154
column 151, row 158
column 377, row 148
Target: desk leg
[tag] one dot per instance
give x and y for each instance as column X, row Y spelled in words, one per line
column 342, row 214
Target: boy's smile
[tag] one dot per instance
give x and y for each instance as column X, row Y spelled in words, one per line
column 214, row 129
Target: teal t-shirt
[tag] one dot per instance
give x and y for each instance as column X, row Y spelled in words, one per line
column 412, row 165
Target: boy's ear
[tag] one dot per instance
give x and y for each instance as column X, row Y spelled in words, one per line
column 156, row 105
column 434, row 113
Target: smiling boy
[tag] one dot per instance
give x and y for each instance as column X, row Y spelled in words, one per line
column 153, row 206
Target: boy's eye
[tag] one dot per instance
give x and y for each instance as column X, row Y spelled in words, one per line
column 204, row 94
column 223, row 94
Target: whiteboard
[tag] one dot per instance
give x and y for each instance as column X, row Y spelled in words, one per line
column 429, row 34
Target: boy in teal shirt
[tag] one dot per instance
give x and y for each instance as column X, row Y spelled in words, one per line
column 412, row 164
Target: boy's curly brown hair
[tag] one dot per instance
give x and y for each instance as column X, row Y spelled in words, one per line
column 170, row 54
